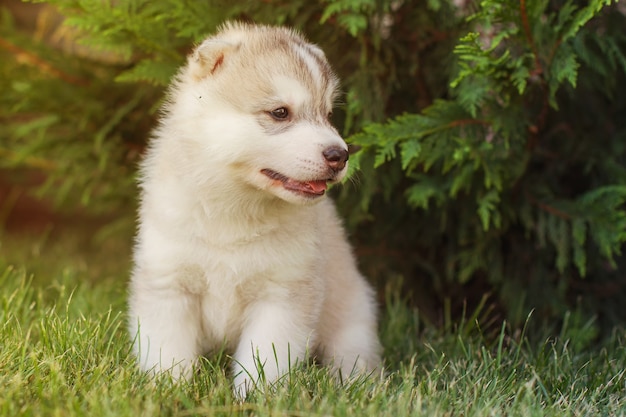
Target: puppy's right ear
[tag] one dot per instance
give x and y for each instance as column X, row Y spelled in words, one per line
column 208, row 57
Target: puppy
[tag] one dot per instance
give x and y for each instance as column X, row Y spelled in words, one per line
column 237, row 244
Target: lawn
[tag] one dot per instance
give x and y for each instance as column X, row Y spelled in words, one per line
column 64, row 352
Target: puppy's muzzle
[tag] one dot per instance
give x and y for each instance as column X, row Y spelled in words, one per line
column 336, row 158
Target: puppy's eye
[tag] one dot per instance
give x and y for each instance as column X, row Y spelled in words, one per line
column 280, row 113
column 329, row 115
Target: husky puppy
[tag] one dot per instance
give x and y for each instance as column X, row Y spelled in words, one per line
column 237, row 244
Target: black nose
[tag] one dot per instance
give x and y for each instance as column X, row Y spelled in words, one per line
column 336, row 157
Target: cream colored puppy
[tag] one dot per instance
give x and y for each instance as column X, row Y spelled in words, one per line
column 237, row 244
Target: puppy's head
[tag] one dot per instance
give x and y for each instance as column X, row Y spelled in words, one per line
column 258, row 100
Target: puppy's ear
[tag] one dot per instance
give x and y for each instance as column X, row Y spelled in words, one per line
column 208, row 58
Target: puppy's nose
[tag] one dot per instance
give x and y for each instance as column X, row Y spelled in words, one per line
column 336, row 157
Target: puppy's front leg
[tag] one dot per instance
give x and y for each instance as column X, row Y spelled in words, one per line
column 166, row 327
column 275, row 337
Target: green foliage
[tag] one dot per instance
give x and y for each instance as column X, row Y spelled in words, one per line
column 522, row 180
column 493, row 135
column 351, row 14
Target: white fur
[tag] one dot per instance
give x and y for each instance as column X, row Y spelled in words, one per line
column 226, row 256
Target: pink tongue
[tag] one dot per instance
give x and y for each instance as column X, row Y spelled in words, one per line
column 317, row 186
column 312, row 187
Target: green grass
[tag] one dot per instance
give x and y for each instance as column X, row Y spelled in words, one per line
column 64, row 352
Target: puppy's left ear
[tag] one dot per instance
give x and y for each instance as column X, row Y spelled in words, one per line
column 208, row 58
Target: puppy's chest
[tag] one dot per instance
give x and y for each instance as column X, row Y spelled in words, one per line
column 228, row 279
column 219, row 268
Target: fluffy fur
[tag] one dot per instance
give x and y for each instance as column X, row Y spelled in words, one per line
column 237, row 244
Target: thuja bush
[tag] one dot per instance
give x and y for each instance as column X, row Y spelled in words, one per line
column 514, row 181
column 492, row 133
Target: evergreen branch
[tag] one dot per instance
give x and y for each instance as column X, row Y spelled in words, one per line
column 538, row 71
column 465, row 122
column 452, row 125
column 538, row 67
column 547, row 208
column 542, row 118
column 28, row 58
column 555, row 47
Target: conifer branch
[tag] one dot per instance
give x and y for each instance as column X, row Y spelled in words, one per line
column 547, row 208
column 529, row 37
column 537, row 72
column 465, row 122
column 453, row 124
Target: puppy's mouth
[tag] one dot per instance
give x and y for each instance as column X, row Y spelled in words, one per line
column 314, row 188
